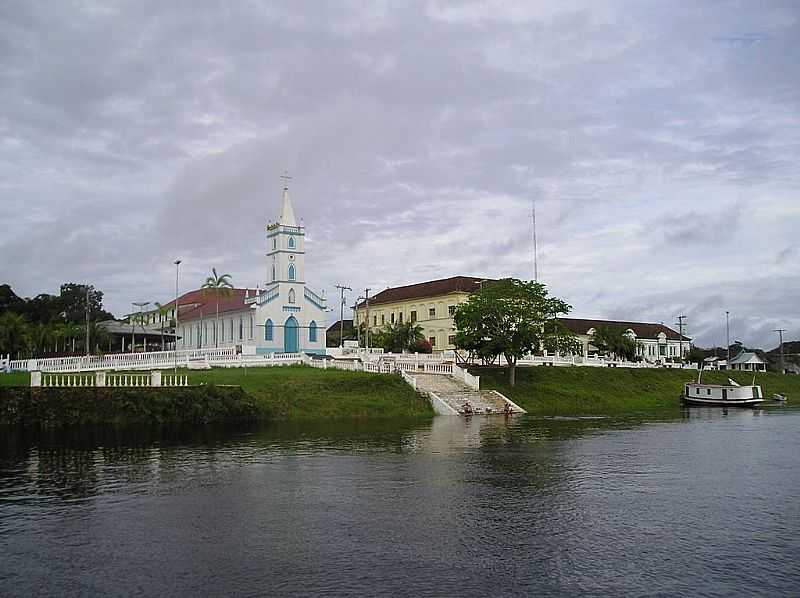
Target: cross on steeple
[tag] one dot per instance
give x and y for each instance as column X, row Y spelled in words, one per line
column 286, row 178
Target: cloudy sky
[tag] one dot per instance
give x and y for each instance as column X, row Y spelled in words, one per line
column 660, row 141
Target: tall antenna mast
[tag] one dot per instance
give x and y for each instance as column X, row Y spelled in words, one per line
column 535, row 251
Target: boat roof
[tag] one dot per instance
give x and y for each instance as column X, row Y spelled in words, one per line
column 720, row 385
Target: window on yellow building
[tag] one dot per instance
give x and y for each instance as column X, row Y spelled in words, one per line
column 451, row 310
column 451, row 340
column 432, row 341
column 432, row 312
column 413, row 316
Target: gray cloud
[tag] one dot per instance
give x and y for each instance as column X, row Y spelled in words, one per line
column 660, row 146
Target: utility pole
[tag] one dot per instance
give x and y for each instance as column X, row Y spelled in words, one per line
column 535, row 250
column 342, row 288
column 780, row 332
column 175, row 334
column 87, row 320
column 141, row 305
column 680, row 332
column 728, row 336
column 366, row 298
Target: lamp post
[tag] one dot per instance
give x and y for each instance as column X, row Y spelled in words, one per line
column 175, row 332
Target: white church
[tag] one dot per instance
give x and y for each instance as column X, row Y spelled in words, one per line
column 285, row 316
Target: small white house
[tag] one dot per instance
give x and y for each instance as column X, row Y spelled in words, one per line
column 715, row 363
column 749, row 362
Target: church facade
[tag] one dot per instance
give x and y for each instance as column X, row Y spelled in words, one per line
column 283, row 316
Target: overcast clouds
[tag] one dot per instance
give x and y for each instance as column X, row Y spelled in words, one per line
column 660, row 141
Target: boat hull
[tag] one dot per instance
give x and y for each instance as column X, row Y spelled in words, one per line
column 701, row 402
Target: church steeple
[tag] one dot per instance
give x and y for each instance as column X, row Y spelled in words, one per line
column 287, row 213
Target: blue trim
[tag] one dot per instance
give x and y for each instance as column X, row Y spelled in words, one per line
column 291, row 308
column 312, row 332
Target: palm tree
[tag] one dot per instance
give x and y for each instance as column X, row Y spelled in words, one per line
column 219, row 285
column 163, row 311
column 13, row 333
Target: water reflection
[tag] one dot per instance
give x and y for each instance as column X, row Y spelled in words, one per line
column 485, row 506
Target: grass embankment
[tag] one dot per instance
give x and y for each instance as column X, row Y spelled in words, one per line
column 299, row 392
column 615, row 391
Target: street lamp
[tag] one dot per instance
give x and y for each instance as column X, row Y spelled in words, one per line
column 175, row 332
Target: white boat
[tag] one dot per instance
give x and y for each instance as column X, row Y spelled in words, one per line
column 725, row 395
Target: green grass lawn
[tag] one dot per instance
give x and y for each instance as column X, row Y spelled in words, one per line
column 299, row 392
column 15, row 379
column 614, row 391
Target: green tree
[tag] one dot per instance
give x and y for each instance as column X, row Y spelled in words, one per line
column 397, row 337
column 511, row 317
column 613, row 340
column 13, row 334
column 220, row 286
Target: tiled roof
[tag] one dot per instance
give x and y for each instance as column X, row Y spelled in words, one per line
column 422, row 290
column 641, row 329
column 203, row 302
column 336, row 326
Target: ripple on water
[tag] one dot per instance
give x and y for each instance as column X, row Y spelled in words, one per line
column 697, row 506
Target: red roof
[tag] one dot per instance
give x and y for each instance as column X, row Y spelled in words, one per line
column 433, row 288
column 203, row 302
column 640, row 329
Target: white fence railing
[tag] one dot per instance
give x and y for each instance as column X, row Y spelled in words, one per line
column 155, row 360
column 105, row 379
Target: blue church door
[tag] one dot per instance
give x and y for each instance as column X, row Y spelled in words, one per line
column 290, row 336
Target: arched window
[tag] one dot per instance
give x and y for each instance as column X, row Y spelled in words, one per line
column 312, row 332
column 291, row 242
column 291, row 271
column 291, row 295
column 241, row 328
column 268, row 330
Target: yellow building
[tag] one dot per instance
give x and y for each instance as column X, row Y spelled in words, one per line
column 429, row 304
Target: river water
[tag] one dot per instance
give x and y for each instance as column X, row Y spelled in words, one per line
column 707, row 504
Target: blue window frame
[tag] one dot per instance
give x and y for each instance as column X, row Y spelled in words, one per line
column 312, row 332
column 291, row 242
column 291, row 271
column 268, row 330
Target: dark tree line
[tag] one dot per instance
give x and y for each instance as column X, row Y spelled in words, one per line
column 48, row 325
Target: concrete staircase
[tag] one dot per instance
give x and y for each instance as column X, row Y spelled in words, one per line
column 456, row 394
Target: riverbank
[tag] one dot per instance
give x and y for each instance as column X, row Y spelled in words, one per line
column 572, row 391
column 56, row 407
column 287, row 392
